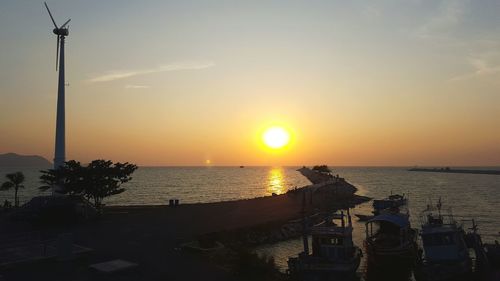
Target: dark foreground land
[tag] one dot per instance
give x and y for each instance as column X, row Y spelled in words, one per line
column 151, row 236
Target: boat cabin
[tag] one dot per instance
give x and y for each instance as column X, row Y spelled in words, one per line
column 333, row 251
column 389, row 230
column 332, row 241
column 442, row 238
column 394, row 202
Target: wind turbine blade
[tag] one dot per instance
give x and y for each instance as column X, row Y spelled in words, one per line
column 50, row 14
column 62, row 26
column 57, row 52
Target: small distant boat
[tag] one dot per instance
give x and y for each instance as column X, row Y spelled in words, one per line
column 445, row 252
column 334, row 255
column 390, row 238
column 242, row 166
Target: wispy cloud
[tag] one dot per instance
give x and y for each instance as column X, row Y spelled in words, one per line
column 122, row 74
column 371, row 11
column 480, row 68
column 136, row 86
column 449, row 15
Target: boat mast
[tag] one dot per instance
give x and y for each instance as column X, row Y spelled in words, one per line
column 349, row 217
column 304, row 224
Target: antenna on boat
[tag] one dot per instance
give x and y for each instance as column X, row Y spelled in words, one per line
column 304, row 224
column 342, row 216
column 439, row 205
column 407, row 198
column 303, row 201
column 349, row 217
column 474, row 226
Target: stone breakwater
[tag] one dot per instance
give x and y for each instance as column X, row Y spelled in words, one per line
column 326, row 194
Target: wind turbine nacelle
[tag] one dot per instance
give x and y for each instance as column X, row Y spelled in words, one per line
column 61, row 31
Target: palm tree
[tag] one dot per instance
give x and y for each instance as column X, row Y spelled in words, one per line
column 15, row 181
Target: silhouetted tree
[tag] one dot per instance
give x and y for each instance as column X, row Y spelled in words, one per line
column 104, row 178
column 96, row 181
column 67, row 179
column 15, row 181
column 322, row 169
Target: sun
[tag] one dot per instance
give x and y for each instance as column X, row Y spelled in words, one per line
column 276, row 137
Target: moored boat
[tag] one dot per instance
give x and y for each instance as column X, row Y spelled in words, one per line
column 390, row 238
column 392, row 201
column 333, row 254
column 445, row 252
column 386, row 205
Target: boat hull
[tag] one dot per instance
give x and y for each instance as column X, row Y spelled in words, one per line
column 406, row 254
column 312, row 269
column 390, row 264
column 444, row 271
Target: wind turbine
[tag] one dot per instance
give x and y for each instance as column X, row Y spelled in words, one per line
column 60, row 146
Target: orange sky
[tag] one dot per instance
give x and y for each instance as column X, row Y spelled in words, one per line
column 179, row 83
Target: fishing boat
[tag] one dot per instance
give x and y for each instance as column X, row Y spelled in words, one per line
column 334, row 255
column 445, row 252
column 392, row 201
column 385, row 205
column 390, row 238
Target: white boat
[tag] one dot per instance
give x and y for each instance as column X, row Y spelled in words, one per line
column 445, row 252
column 391, row 202
column 386, row 205
column 334, row 255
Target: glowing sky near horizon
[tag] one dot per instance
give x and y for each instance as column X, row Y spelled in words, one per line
column 409, row 82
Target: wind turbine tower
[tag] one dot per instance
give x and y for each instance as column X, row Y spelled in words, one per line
column 60, row 147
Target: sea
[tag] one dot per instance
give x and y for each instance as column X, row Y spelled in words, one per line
column 470, row 196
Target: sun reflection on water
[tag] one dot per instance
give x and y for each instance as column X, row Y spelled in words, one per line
column 275, row 181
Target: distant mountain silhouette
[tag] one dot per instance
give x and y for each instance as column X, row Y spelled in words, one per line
column 16, row 160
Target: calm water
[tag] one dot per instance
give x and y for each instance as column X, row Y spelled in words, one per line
column 156, row 185
column 472, row 196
